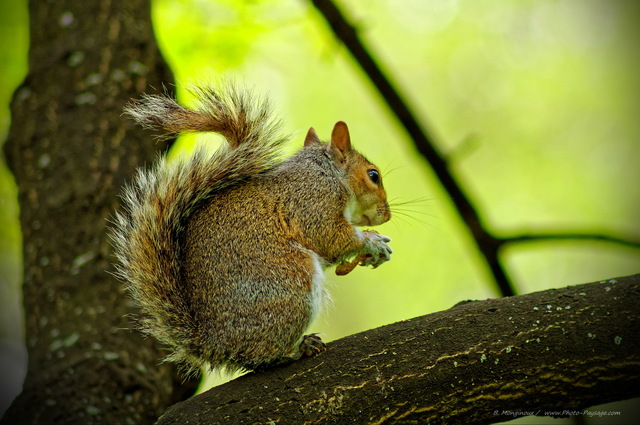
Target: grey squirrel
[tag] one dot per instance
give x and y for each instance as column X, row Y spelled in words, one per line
column 225, row 252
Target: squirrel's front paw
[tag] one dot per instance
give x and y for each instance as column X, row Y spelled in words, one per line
column 375, row 252
column 376, row 249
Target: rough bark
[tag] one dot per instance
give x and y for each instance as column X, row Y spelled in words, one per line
column 559, row 350
column 70, row 151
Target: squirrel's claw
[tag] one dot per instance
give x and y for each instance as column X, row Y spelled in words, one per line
column 377, row 249
column 376, row 252
column 310, row 346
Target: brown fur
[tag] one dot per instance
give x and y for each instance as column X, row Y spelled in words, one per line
column 224, row 252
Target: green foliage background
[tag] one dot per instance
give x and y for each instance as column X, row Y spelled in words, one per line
column 531, row 99
column 535, row 102
column 14, row 36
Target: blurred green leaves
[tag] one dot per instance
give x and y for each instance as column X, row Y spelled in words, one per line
column 536, row 103
column 531, row 99
column 13, row 68
column 14, row 39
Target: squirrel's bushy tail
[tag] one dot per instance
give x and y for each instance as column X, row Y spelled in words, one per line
column 157, row 204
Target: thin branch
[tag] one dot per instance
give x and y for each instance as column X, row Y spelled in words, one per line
column 486, row 243
column 568, row 236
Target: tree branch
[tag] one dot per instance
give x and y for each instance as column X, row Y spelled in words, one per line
column 486, row 243
column 568, row 236
column 558, row 350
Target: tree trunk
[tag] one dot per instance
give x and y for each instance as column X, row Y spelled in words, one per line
column 70, row 152
column 549, row 353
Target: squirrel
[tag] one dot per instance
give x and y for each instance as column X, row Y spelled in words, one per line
column 225, row 252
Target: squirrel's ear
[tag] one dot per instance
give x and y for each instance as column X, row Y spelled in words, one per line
column 340, row 137
column 340, row 141
column 312, row 138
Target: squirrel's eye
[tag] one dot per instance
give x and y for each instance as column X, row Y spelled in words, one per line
column 374, row 175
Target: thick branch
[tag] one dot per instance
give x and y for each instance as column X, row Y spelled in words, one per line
column 556, row 350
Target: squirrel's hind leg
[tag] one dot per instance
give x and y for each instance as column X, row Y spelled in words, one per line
column 309, row 346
